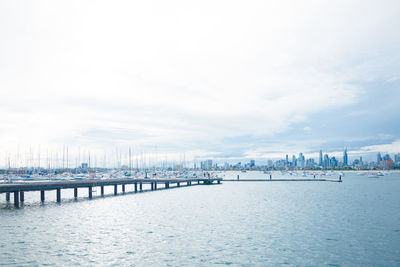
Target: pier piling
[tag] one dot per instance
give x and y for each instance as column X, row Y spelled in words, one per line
column 116, row 189
column 58, row 194
column 75, row 193
column 102, row 190
column 135, row 187
column 8, row 197
column 16, row 199
column 90, row 192
column 141, row 186
column 21, row 196
column 123, row 189
column 42, row 195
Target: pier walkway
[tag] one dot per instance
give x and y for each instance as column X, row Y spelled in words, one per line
column 18, row 188
column 284, row 180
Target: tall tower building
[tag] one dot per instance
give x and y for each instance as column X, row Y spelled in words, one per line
column 345, row 157
column 378, row 158
column 320, row 158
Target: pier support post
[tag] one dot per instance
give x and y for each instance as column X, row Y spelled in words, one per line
column 166, row 184
column 75, row 193
column 198, row 181
column 102, row 190
column 135, row 187
column 270, row 176
column 188, row 183
column 219, row 181
column 123, row 188
column 21, row 196
column 155, row 186
column 238, row 177
column 90, row 192
column 152, row 186
column 178, row 184
column 115, row 189
column 42, row 195
column 7, row 196
column 16, row 199
column 141, row 186
column 58, row 194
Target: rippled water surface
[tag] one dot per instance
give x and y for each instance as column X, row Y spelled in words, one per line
column 354, row 223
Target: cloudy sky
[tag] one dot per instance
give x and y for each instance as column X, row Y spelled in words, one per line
column 216, row 79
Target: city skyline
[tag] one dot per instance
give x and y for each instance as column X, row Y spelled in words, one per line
column 72, row 158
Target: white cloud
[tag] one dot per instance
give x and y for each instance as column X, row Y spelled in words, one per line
column 393, row 147
column 178, row 73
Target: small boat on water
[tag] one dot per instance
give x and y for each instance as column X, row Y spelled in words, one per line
column 375, row 175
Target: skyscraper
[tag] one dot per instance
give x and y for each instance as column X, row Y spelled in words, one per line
column 378, row 158
column 326, row 161
column 397, row 158
column 252, row 163
column 320, row 158
column 345, row 158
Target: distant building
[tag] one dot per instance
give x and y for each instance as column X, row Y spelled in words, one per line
column 397, row 158
column 310, row 163
column 206, row 165
column 378, row 158
column 301, row 161
column 270, row 163
column 345, row 157
column 320, row 158
column 252, row 163
column 84, row 165
column 326, row 161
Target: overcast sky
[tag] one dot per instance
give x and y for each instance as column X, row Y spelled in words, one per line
column 218, row 79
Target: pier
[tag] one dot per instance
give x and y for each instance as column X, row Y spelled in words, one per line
column 18, row 188
column 284, row 180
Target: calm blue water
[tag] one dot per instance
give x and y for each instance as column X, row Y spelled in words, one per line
column 354, row 223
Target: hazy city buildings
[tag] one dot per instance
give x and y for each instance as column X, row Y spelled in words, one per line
column 345, row 157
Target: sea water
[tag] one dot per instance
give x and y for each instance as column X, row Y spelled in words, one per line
column 354, row 223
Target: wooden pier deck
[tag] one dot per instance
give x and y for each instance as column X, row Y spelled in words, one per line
column 18, row 188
